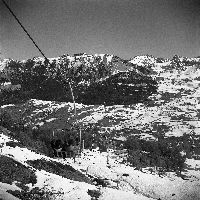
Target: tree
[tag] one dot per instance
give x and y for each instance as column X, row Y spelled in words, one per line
column 3, row 80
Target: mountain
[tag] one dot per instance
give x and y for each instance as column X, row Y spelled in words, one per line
column 96, row 79
column 143, row 97
column 143, row 60
column 149, row 106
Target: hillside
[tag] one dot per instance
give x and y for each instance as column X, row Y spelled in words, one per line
column 144, row 101
column 89, row 76
column 174, row 104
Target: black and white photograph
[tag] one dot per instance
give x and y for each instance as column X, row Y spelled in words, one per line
column 99, row 99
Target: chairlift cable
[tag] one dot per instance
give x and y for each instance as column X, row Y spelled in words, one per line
column 24, row 29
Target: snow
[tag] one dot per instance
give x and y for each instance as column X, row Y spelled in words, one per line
column 113, row 194
column 49, row 181
column 50, row 120
column 121, row 138
column 54, row 105
column 22, row 154
column 3, row 64
column 136, row 185
column 5, row 186
column 6, row 196
column 71, row 189
column 148, row 184
column 4, row 139
column 95, row 117
column 142, row 60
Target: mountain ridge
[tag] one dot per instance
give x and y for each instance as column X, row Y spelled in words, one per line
column 87, row 74
column 165, row 118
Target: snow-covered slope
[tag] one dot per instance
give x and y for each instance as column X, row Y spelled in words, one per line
column 45, row 180
column 143, row 60
column 172, row 110
column 124, row 182
column 3, row 63
column 175, row 105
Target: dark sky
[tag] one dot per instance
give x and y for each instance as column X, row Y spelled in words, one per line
column 125, row 28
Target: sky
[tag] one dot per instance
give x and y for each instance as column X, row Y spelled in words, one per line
column 125, row 28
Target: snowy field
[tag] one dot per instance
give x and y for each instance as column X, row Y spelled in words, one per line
column 124, row 182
